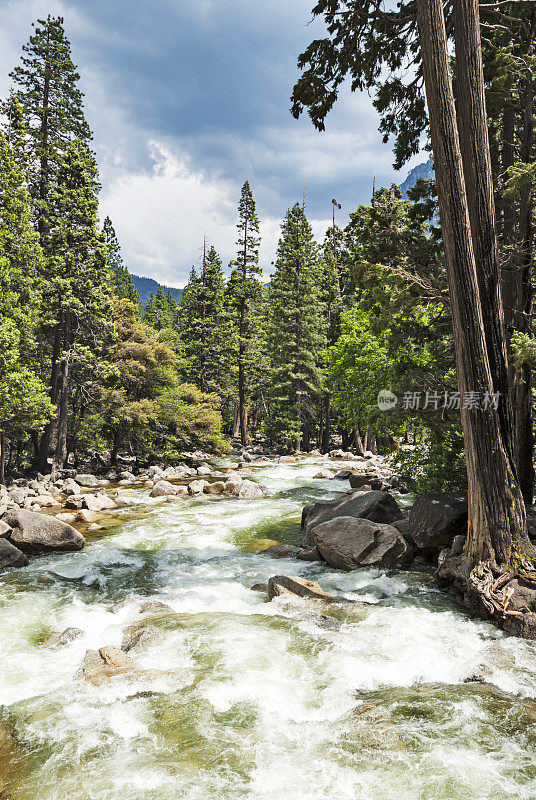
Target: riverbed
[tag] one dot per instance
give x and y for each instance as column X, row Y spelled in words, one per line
column 257, row 700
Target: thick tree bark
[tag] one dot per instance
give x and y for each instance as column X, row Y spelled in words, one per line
column 60, row 453
column 522, row 390
column 326, row 432
column 2, row 458
column 476, row 160
column 49, row 433
column 497, row 521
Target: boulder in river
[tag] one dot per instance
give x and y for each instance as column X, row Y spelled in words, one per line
column 108, row 662
column 65, row 637
column 250, row 491
column 324, row 474
column 311, row 554
column 218, row 487
column 285, row 585
column 347, row 543
column 337, row 454
column 98, row 502
column 374, row 505
column 163, row 488
column 197, row 487
column 154, row 606
column 39, row 533
column 360, row 479
column 435, row 519
column 83, row 479
column 136, row 638
column 11, row 556
column 232, row 486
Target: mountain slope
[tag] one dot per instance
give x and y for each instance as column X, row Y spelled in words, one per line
column 144, row 287
column 421, row 171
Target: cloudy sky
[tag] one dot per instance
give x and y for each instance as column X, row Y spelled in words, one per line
column 187, row 99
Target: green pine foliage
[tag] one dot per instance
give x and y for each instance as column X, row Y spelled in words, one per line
column 296, row 333
column 46, row 83
column 24, row 404
column 204, row 327
column 122, row 282
column 243, row 292
column 161, row 310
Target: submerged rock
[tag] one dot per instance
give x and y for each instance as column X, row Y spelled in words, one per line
column 135, row 638
column 374, row 505
column 65, row 637
column 40, row 533
column 285, row 585
column 155, row 607
column 281, row 551
column 324, row 474
column 347, row 543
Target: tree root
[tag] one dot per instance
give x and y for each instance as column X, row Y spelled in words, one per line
column 494, row 592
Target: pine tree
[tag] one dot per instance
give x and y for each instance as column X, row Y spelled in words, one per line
column 79, row 284
column 296, row 332
column 24, row 404
column 161, row 310
column 121, row 278
column 243, row 290
column 204, row 327
column 15, row 131
column 52, row 105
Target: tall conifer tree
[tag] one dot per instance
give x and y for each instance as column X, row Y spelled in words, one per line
column 204, row 326
column 296, row 332
column 52, row 104
column 242, row 292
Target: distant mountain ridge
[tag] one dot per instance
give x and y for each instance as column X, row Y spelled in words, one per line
column 423, row 171
column 144, row 287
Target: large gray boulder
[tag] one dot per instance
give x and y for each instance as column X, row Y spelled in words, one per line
column 249, row 490
column 374, row 505
column 348, row 543
column 162, row 489
column 435, row 519
column 10, row 556
column 85, row 479
column 40, row 533
column 372, row 479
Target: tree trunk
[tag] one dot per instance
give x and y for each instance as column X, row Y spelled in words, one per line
column 51, row 427
column 242, row 411
column 2, row 458
column 523, row 422
column 60, row 453
column 476, row 161
column 236, row 424
column 326, row 432
column 497, row 521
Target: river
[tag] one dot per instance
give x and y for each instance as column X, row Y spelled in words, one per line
column 260, row 700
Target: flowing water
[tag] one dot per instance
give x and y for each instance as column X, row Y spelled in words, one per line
column 259, row 700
